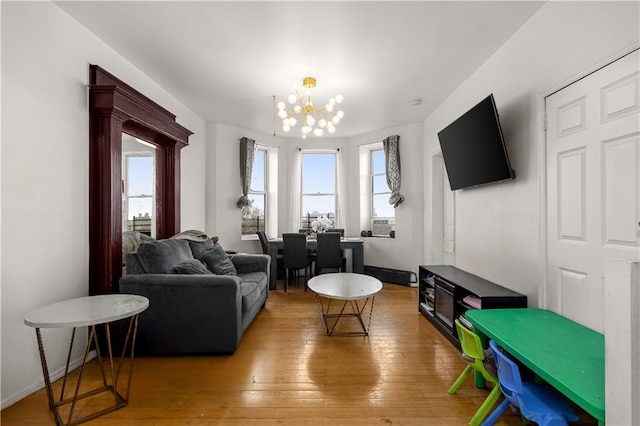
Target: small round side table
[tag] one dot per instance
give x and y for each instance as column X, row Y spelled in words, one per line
column 89, row 312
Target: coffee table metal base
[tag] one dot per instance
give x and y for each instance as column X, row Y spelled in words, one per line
column 356, row 311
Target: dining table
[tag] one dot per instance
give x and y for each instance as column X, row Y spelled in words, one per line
column 354, row 244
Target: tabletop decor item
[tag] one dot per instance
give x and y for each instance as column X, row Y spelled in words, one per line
column 322, row 224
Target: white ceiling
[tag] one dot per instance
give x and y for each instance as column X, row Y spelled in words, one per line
column 225, row 60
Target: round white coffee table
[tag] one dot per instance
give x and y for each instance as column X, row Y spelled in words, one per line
column 358, row 292
column 89, row 312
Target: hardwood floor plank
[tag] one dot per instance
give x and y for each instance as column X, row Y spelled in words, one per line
column 287, row 372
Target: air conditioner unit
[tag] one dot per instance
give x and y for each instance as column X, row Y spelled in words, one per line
column 382, row 227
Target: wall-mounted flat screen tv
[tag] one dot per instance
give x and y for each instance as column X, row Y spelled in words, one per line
column 473, row 148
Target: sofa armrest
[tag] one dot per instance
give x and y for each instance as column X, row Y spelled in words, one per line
column 246, row 263
column 187, row 313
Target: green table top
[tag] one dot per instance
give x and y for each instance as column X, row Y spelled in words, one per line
column 567, row 355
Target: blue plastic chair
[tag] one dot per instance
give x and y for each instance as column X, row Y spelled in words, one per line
column 537, row 403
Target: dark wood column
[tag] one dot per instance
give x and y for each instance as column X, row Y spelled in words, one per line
column 116, row 107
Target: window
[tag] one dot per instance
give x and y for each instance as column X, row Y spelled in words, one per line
column 138, row 203
column 318, row 196
column 377, row 216
column 254, row 216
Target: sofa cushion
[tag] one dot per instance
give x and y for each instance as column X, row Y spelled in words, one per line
column 193, row 267
column 160, row 257
column 131, row 240
column 250, row 287
column 198, row 248
column 218, row 261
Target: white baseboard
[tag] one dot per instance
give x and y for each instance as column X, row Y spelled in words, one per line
column 55, row 375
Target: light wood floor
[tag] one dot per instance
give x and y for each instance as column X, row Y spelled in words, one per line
column 286, row 371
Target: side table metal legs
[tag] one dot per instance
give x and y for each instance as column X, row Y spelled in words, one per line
column 110, row 386
column 356, row 310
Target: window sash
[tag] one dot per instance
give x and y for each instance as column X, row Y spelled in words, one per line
column 332, row 212
column 251, row 224
column 379, row 195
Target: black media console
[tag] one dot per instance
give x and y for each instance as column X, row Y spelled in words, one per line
column 446, row 292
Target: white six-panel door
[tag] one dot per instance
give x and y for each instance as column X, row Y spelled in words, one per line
column 593, row 186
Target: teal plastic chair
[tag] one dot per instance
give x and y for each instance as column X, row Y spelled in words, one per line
column 473, row 353
column 537, row 403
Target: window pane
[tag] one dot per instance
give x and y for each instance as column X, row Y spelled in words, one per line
column 319, row 205
column 380, row 184
column 381, row 206
column 253, row 215
column 377, row 162
column 140, row 211
column 140, row 207
column 140, row 172
column 258, row 172
column 318, row 173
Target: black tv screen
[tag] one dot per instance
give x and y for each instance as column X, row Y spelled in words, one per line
column 473, row 147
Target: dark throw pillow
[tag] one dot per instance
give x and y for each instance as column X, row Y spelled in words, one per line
column 160, row 257
column 199, row 247
column 218, row 261
column 192, row 267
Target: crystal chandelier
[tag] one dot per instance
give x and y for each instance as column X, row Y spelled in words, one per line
column 314, row 121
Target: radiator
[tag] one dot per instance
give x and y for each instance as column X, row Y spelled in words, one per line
column 394, row 276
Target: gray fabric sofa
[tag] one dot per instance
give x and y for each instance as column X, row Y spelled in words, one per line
column 200, row 299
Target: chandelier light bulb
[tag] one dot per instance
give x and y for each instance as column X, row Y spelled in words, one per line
column 292, row 99
column 281, row 105
column 286, row 128
column 310, row 120
column 331, row 128
column 335, row 119
column 329, row 107
column 318, row 132
column 332, row 101
column 306, row 130
column 297, row 109
column 282, row 113
column 339, row 99
column 340, row 114
column 292, row 121
column 322, row 123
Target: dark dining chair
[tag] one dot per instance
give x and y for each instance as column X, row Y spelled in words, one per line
column 295, row 257
column 311, row 252
column 338, row 230
column 328, row 253
column 265, row 250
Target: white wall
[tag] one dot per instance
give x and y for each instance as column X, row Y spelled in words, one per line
column 45, row 57
column 223, row 190
column 405, row 251
column 498, row 226
column 223, row 185
column 223, row 181
column 45, row 175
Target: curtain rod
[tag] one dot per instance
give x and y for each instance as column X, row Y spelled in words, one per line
column 317, row 149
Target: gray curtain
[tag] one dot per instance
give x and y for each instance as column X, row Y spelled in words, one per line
column 247, row 148
column 392, row 165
